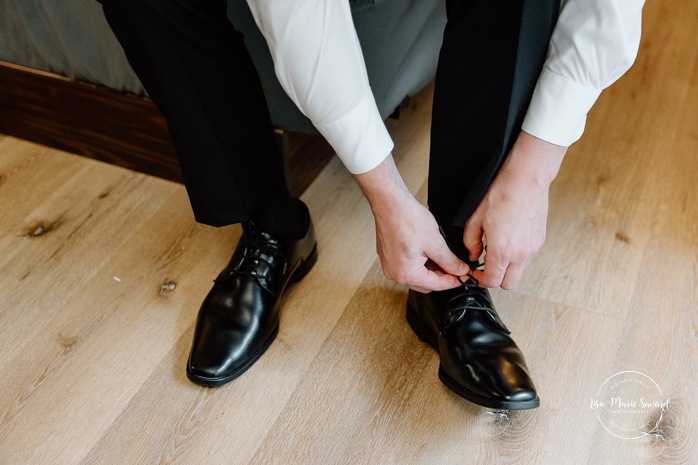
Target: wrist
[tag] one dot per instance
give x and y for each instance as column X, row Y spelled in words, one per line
column 382, row 186
column 535, row 159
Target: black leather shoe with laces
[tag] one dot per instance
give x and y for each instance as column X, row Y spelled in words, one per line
column 479, row 360
column 239, row 318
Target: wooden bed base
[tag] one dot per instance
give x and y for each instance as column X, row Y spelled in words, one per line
column 118, row 128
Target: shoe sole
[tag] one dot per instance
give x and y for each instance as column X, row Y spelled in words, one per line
column 425, row 335
column 300, row 273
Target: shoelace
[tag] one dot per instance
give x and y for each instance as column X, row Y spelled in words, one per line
column 256, row 260
column 471, row 297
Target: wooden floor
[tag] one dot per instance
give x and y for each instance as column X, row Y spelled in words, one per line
column 102, row 272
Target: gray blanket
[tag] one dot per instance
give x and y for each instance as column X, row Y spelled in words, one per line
column 67, row 37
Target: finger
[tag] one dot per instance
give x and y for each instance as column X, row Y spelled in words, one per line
column 512, row 277
column 472, row 238
column 440, row 254
column 493, row 272
column 433, row 281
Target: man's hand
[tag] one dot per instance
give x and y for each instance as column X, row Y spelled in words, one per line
column 512, row 215
column 408, row 239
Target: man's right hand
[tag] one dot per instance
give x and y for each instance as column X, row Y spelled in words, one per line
column 408, row 241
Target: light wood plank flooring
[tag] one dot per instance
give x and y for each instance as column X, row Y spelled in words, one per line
column 102, row 271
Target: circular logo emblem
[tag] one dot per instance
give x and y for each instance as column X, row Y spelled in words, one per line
column 628, row 404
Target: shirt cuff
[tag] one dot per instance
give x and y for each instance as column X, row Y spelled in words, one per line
column 360, row 137
column 558, row 109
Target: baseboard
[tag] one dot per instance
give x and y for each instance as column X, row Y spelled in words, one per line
column 94, row 121
column 118, row 128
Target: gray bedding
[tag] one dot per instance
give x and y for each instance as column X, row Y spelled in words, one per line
column 67, row 37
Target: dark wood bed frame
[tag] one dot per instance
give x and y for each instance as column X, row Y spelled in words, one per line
column 118, row 128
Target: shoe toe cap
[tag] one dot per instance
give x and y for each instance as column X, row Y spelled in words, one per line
column 522, row 395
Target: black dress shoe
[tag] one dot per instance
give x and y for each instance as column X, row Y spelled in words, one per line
column 479, row 360
column 239, row 318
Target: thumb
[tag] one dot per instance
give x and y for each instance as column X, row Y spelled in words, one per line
column 446, row 259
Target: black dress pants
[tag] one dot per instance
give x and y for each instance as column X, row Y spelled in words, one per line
column 196, row 68
column 491, row 57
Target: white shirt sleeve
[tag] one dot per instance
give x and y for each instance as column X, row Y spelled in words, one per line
column 593, row 44
column 318, row 61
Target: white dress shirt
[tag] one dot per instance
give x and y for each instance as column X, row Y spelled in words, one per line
column 319, row 63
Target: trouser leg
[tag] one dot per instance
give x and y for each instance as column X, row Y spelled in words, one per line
column 492, row 54
column 195, row 66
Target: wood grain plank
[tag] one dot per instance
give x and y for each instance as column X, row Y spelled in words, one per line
column 596, row 201
column 661, row 338
column 94, row 354
column 386, row 405
column 202, row 420
column 87, row 229
column 96, row 366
